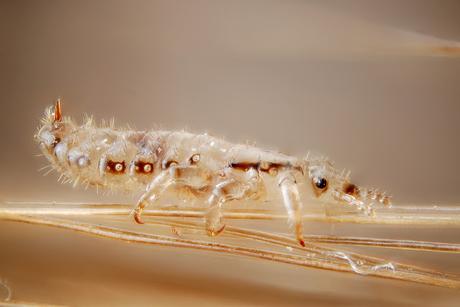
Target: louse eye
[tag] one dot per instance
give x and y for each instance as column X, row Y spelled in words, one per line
column 320, row 183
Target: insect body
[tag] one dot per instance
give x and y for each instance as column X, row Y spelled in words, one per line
column 214, row 170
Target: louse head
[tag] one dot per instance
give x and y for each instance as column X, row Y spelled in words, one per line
column 54, row 127
column 332, row 186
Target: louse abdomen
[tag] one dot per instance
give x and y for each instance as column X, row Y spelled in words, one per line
column 105, row 157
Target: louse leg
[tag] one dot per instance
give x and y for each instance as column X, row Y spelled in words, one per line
column 225, row 191
column 174, row 175
column 292, row 203
column 161, row 182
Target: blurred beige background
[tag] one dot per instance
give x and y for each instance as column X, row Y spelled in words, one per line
column 362, row 82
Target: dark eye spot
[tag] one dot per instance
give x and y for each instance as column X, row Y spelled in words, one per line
column 321, row 183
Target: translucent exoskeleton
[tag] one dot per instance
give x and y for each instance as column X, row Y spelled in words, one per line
column 212, row 170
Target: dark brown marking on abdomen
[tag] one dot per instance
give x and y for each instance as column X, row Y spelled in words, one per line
column 244, row 166
column 266, row 167
column 350, row 189
column 116, row 167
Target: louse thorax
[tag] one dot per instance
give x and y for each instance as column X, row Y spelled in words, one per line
column 331, row 186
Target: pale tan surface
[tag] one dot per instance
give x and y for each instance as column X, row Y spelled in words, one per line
column 335, row 77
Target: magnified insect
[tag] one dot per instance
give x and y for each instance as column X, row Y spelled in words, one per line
column 216, row 171
column 227, row 181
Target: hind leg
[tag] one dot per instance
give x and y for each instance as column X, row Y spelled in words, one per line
column 292, row 203
column 233, row 188
column 160, row 184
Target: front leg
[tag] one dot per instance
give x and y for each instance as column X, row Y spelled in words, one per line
column 292, row 203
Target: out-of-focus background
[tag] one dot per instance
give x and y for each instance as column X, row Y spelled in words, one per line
column 373, row 85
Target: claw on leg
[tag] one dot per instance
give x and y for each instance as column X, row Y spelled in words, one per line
column 213, row 232
column 214, row 221
column 299, row 234
column 138, row 212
